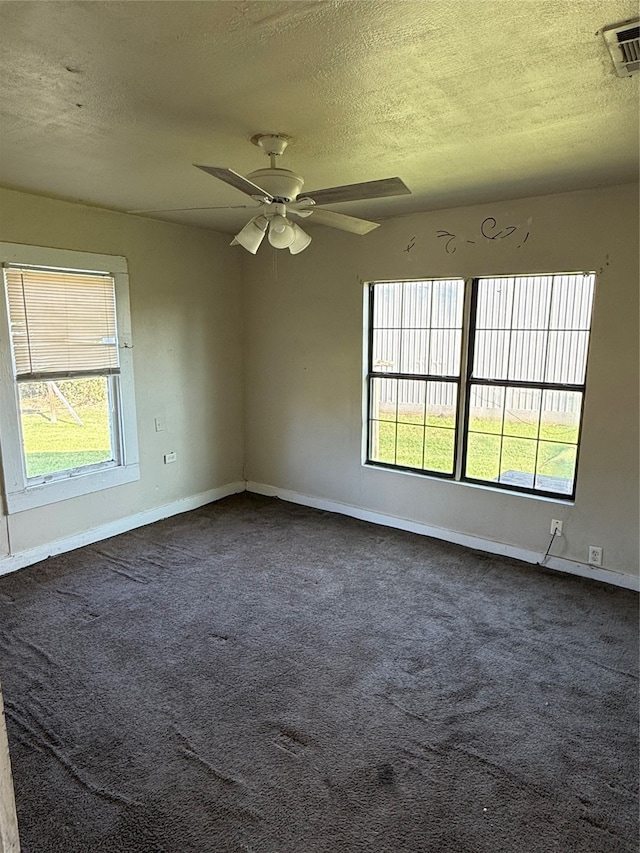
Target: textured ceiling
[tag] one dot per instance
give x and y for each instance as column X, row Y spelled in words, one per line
column 110, row 103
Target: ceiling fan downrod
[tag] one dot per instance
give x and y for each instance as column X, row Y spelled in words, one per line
column 273, row 145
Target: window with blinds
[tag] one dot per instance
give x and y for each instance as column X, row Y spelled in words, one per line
column 68, row 420
column 62, row 323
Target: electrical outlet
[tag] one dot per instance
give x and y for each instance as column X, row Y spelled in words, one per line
column 595, row 555
column 159, row 424
column 170, row 457
column 556, row 527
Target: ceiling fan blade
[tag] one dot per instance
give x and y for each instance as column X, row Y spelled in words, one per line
column 342, row 221
column 186, row 209
column 353, row 192
column 235, row 180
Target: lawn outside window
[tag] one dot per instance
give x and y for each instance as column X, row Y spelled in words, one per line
column 67, row 413
column 480, row 381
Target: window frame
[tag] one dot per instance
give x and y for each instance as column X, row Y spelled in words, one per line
column 21, row 493
column 372, row 374
column 465, row 383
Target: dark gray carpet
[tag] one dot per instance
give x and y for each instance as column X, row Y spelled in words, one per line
column 258, row 677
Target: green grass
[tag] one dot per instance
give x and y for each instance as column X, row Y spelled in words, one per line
column 487, row 454
column 63, row 445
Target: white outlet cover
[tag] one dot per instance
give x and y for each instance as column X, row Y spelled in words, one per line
column 595, row 555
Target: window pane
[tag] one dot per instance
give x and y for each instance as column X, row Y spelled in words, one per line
column 388, row 298
column 513, row 317
column 417, row 327
column 447, row 304
column 535, row 449
column 415, row 350
column 518, row 462
column 483, row 456
column 441, row 404
column 522, row 412
column 444, row 352
column 491, row 357
column 486, row 409
column 560, row 419
column 65, row 425
column 411, row 400
column 556, row 468
column 382, row 445
column 495, row 303
column 386, row 351
column 567, row 357
column 527, row 356
column 571, row 303
column 416, row 304
column 531, row 298
column 409, row 446
column 384, row 399
column 439, row 448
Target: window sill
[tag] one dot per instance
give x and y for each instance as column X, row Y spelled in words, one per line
column 44, row 494
column 512, row 493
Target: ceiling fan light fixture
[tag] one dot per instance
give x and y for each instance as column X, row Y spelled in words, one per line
column 278, row 189
column 252, row 235
column 281, row 232
column 301, row 240
column 279, row 223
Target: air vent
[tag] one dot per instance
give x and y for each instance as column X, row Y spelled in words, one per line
column 623, row 41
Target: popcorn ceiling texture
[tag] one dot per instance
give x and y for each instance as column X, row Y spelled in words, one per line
column 259, row 677
column 470, row 101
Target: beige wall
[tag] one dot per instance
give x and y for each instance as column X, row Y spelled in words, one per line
column 185, row 294
column 302, row 352
column 303, row 368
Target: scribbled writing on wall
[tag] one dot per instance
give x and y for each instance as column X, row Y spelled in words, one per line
column 489, row 231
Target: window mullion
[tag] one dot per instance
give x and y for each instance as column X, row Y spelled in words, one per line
column 369, row 371
column 466, row 368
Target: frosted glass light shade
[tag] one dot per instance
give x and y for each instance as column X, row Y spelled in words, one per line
column 301, row 240
column 281, row 232
column 252, row 234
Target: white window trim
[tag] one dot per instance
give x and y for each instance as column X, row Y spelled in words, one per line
column 18, row 494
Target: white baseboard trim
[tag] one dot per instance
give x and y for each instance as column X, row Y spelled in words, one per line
column 558, row 563
column 13, row 562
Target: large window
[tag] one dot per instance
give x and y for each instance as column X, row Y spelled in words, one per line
column 495, row 398
column 67, row 417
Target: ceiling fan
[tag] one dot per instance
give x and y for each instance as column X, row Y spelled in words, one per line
column 279, row 193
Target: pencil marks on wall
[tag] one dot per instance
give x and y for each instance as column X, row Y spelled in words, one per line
column 490, row 231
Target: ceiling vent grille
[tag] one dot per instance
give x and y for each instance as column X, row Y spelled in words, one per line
column 623, row 41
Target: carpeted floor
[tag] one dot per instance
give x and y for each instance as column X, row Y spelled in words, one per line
column 259, row 677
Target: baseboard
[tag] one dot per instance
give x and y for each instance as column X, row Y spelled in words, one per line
column 13, row 562
column 475, row 542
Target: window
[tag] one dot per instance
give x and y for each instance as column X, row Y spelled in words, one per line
column 496, row 399
column 67, row 417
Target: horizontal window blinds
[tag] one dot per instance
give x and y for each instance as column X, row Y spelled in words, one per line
column 62, row 323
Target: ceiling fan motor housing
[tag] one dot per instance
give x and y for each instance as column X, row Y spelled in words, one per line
column 282, row 184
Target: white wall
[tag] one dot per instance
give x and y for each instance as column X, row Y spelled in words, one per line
column 185, row 294
column 304, row 354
